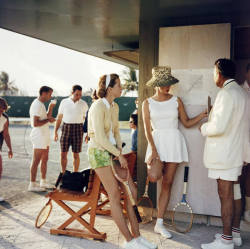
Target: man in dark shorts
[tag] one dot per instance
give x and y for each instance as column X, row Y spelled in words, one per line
column 72, row 112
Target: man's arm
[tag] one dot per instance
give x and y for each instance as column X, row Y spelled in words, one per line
column 58, row 123
column 6, row 136
column 50, row 110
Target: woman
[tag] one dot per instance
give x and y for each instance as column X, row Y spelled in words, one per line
column 4, row 133
column 166, row 142
column 103, row 130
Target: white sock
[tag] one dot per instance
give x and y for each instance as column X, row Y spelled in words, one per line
column 235, row 232
column 159, row 222
column 32, row 184
column 226, row 239
column 43, row 180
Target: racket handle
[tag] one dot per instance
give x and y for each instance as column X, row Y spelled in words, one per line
column 137, row 214
column 186, row 174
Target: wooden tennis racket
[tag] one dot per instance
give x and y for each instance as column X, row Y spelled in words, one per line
column 43, row 214
column 122, row 175
column 145, row 206
column 182, row 216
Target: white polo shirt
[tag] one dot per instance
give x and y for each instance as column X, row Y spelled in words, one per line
column 73, row 112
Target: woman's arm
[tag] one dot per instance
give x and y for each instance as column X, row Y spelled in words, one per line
column 6, row 136
column 185, row 120
column 147, row 129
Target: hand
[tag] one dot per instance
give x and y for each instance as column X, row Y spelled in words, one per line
column 51, row 119
column 55, row 136
column 123, row 161
column 86, row 139
column 10, row 154
column 154, row 155
column 204, row 114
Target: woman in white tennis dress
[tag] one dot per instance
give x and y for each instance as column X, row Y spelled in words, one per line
column 161, row 113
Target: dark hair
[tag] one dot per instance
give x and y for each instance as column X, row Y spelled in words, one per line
column 76, row 87
column 4, row 104
column 226, row 67
column 45, row 89
column 101, row 91
column 248, row 67
column 135, row 118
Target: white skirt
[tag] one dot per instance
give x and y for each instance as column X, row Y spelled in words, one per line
column 170, row 145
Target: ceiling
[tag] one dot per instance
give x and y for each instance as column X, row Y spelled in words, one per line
column 102, row 28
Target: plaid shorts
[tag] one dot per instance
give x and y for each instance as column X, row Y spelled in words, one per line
column 72, row 134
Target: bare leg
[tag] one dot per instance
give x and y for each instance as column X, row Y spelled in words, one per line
column 247, row 180
column 111, row 186
column 45, row 157
column 167, row 181
column 237, row 210
column 225, row 190
column 64, row 160
column 37, row 155
column 131, row 215
column 76, row 161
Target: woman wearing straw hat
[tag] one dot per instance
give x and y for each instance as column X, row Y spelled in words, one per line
column 165, row 142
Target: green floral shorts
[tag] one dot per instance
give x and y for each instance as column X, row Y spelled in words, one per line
column 98, row 158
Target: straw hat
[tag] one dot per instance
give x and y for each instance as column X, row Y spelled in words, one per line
column 161, row 76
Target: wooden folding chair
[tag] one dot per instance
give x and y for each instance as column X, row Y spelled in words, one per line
column 91, row 199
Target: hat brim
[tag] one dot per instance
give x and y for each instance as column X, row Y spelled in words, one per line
column 170, row 80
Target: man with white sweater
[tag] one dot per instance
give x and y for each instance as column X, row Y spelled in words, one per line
column 225, row 150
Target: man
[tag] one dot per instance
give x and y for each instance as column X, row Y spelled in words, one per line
column 72, row 112
column 4, row 133
column 245, row 179
column 40, row 137
column 225, row 134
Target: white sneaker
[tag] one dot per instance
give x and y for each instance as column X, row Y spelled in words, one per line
column 162, row 231
column 237, row 241
column 34, row 188
column 44, row 184
column 147, row 243
column 1, row 198
column 217, row 244
column 135, row 244
column 247, row 216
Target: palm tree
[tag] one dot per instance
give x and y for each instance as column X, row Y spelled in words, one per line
column 6, row 87
column 131, row 81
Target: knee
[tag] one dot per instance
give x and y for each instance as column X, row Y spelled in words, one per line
column 225, row 193
column 167, row 183
column 63, row 156
column 115, row 196
column 76, row 156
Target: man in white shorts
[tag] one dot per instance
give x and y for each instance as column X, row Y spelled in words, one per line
column 226, row 134
column 40, row 137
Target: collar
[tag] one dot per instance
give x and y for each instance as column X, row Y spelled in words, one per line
column 105, row 101
column 228, row 81
column 73, row 100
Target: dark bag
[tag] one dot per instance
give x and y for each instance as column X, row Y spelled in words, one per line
column 74, row 181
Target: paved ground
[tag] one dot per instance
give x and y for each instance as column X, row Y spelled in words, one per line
column 19, row 211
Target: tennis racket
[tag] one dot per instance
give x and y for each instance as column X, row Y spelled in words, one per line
column 43, row 214
column 145, row 206
column 209, row 106
column 182, row 216
column 122, row 175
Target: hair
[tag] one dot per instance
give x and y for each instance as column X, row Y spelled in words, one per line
column 135, row 118
column 101, row 90
column 248, row 67
column 226, row 67
column 4, row 104
column 76, row 87
column 45, row 89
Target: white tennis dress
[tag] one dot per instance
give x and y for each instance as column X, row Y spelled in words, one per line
column 168, row 139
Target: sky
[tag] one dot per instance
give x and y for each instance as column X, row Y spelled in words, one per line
column 32, row 63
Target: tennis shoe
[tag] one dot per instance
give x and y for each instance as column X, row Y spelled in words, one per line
column 1, row 198
column 147, row 243
column 218, row 244
column 134, row 244
column 35, row 188
column 237, row 241
column 162, row 231
column 44, row 184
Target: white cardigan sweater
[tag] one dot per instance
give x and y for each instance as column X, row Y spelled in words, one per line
column 227, row 139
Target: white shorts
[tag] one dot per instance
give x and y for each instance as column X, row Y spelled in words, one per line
column 225, row 174
column 40, row 140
